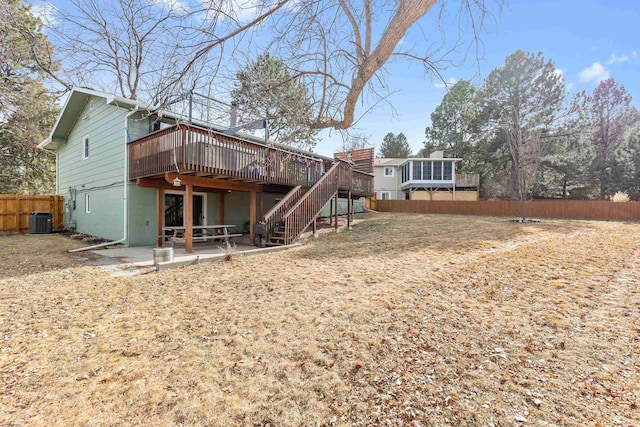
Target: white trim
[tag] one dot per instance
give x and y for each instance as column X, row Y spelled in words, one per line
column 444, row 159
column 87, row 203
column 86, row 152
column 392, row 169
column 388, row 193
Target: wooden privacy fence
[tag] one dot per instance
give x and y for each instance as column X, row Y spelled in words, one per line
column 16, row 208
column 569, row 209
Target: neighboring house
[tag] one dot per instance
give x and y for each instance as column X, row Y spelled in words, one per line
column 432, row 178
column 126, row 171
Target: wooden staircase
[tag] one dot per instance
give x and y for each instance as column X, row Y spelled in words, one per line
column 274, row 218
column 287, row 220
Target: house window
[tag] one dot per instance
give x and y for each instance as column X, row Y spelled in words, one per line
column 437, row 171
column 385, row 195
column 448, row 171
column 85, row 147
column 426, row 171
column 417, row 171
column 388, row 171
column 87, row 203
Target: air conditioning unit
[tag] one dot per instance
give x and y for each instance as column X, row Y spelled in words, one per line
column 40, row 223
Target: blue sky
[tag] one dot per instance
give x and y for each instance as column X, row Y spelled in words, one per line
column 587, row 40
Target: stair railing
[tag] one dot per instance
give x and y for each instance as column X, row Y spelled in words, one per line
column 274, row 216
column 303, row 213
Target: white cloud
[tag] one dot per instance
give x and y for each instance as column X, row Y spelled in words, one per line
column 175, row 5
column 46, row 12
column 242, row 11
column 446, row 84
column 634, row 53
column 595, row 73
column 615, row 59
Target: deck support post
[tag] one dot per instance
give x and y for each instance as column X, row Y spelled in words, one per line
column 221, row 207
column 349, row 210
column 315, row 227
column 330, row 212
column 159, row 216
column 252, row 214
column 188, row 218
column 336, row 212
column 353, row 210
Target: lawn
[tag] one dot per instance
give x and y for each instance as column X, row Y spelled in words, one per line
column 406, row 320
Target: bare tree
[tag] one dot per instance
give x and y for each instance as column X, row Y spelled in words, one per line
column 526, row 151
column 340, row 51
column 144, row 49
column 352, row 141
column 157, row 50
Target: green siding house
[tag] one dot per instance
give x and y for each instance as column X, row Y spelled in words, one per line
column 124, row 171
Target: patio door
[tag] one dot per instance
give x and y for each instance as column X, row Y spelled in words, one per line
column 174, row 209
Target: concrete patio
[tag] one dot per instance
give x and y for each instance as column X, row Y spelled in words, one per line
column 141, row 257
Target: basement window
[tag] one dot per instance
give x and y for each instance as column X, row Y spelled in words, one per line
column 385, row 195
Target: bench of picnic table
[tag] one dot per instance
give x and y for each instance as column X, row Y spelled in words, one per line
column 201, row 233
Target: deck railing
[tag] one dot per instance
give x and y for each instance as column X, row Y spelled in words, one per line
column 188, row 148
column 361, row 184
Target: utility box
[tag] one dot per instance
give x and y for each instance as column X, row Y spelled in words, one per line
column 40, row 223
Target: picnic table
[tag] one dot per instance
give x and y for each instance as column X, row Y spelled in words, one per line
column 201, row 233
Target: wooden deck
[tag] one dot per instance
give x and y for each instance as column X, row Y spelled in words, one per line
column 185, row 149
column 192, row 158
column 188, row 149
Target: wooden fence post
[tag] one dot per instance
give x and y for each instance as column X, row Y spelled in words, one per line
column 18, row 212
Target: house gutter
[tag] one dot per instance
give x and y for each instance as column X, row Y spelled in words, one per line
column 125, row 181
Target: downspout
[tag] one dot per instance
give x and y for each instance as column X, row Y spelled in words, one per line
column 125, row 182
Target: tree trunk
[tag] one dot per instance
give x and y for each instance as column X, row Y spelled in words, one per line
column 514, row 186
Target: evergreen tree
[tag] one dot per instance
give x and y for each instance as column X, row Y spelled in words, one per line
column 268, row 90
column 27, row 112
column 453, row 125
column 522, row 100
column 395, row 146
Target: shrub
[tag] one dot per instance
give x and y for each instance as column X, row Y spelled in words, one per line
column 230, row 251
column 620, row 196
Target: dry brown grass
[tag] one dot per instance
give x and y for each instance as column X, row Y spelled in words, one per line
column 435, row 320
column 24, row 254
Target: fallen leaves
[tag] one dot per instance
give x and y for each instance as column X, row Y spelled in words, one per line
column 444, row 321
